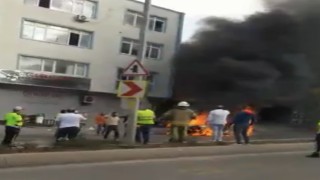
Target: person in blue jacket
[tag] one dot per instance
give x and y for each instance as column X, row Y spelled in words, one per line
column 242, row 121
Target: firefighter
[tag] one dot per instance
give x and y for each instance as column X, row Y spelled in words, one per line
column 316, row 153
column 179, row 119
column 13, row 123
column 145, row 120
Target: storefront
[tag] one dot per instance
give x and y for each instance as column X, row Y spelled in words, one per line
column 48, row 94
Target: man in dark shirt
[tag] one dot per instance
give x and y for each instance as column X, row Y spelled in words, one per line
column 242, row 122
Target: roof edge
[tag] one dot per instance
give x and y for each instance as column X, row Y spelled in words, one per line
column 167, row 9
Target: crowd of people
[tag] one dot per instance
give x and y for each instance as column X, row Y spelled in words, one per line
column 69, row 124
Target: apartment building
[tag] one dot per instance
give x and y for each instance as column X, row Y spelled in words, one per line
column 70, row 53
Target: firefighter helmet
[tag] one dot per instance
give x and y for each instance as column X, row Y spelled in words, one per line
column 183, row 104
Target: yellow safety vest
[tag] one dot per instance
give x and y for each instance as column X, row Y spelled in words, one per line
column 318, row 127
column 146, row 117
column 13, row 119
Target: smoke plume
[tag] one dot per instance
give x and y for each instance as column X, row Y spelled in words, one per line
column 272, row 56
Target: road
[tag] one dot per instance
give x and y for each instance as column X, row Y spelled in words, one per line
column 276, row 166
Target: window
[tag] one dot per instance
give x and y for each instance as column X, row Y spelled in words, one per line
column 32, row 2
column 152, row 81
column 77, row 7
column 44, row 3
column 29, row 63
column 89, row 9
column 130, row 46
column 157, row 24
column 65, row 67
column 48, row 65
column 120, row 77
column 81, row 69
column 134, row 18
column 74, row 39
column 154, row 51
column 86, row 39
column 53, row 66
column 33, row 31
column 63, row 5
column 55, row 34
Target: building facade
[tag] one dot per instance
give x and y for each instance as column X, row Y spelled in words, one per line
column 70, row 53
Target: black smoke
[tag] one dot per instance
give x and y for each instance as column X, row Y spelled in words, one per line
column 271, row 57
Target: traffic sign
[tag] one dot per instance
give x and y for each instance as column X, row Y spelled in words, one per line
column 128, row 103
column 132, row 89
column 135, row 69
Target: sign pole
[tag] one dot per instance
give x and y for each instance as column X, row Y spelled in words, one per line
column 132, row 123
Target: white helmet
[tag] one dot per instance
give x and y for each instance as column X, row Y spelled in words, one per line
column 183, row 104
column 18, row 108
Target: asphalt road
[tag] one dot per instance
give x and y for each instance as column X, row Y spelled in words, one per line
column 268, row 166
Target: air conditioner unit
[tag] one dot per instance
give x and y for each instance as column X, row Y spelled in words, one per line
column 87, row 99
column 81, row 18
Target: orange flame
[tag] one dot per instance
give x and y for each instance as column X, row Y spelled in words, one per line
column 199, row 127
column 250, row 130
column 201, row 123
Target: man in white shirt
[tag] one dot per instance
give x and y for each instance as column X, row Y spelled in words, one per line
column 63, row 111
column 217, row 119
column 69, row 124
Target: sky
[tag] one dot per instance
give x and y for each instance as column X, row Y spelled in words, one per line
column 196, row 10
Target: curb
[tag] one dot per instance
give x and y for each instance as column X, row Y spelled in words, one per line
column 263, row 141
column 80, row 157
column 279, row 141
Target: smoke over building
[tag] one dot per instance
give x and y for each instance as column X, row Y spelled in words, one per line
column 270, row 57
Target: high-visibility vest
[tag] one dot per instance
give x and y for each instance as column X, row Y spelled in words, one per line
column 318, row 127
column 146, row 117
column 13, row 119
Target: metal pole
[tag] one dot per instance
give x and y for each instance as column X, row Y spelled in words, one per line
column 132, row 123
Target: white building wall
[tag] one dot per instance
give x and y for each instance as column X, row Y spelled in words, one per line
column 104, row 58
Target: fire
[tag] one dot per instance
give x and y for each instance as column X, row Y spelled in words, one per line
column 250, row 130
column 198, row 126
